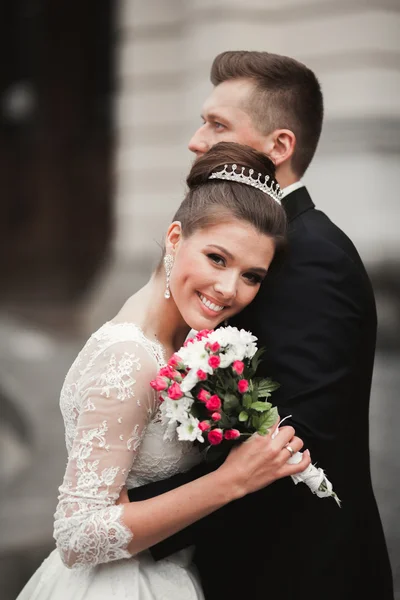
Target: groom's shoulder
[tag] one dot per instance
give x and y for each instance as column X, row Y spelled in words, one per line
column 314, row 233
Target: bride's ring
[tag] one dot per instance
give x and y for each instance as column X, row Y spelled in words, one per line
column 290, row 449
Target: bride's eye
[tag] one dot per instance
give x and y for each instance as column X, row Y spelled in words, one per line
column 253, row 278
column 217, row 259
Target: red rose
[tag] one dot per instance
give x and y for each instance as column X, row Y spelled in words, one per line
column 203, row 395
column 214, row 361
column 215, row 347
column 238, row 367
column 201, row 375
column 175, row 392
column 188, row 341
column 215, row 436
column 213, row 403
column 204, row 426
column 231, row 434
column 159, row 383
column 216, row 416
column 243, row 386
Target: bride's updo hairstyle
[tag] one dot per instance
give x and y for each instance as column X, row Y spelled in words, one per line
column 212, row 201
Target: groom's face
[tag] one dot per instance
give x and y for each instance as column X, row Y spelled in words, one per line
column 225, row 119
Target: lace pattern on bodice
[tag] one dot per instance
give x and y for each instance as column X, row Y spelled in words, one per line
column 114, row 438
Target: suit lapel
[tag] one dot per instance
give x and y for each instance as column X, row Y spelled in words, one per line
column 297, row 203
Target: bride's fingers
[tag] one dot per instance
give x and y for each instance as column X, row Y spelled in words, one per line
column 293, row 469
column 291, row 448
column 285, row 435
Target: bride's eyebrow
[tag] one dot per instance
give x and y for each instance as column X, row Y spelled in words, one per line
column 221, row 249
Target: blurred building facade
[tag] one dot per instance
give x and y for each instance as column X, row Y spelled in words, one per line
column 125, row 193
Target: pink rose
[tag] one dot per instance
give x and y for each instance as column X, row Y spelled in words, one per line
column 175, row 392
column 167, row 372
column 238, row 367
column 204, row 426
column 201, row 375
column 159, row 383
column 216, row 416
column 231, row 434
column 215, row 436
column 243, row 386
column 203, row 334
column 213, row 403
column 214, row 361
column 215, row 347
column 203, row 395
column 188, row 341
column 174, row 361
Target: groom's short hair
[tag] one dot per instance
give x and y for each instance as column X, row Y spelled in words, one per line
column 287, row 95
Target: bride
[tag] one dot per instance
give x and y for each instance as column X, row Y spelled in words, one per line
column 218, row 250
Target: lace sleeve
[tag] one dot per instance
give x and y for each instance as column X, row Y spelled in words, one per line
column 117, row 403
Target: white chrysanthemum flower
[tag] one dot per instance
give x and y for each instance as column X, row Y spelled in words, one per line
column 189, row 381
column 194, row 355
column 241, row 342
column 228, row 358
column 189, row 430
column 176, row 410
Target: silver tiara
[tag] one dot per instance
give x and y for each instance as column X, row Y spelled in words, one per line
column 272, row 188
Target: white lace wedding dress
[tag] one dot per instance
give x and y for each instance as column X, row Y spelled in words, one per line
column 113, row 438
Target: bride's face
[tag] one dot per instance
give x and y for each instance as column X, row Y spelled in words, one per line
column 217, row 271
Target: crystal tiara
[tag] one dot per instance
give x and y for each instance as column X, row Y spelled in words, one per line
column 272, row 188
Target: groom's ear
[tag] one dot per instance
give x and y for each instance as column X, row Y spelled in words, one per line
column 174, row 236
column 280, row 146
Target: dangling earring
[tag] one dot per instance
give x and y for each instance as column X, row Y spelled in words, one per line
column 226, row 323
column 168, row 262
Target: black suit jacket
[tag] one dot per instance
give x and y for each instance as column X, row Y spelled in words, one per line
column 317, row 319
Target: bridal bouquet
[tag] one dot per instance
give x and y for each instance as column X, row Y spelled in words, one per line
column 210, row 394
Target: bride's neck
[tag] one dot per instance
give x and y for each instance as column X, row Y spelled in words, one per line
column 158, row 317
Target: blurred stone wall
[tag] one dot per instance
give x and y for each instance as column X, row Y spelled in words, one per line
column 165, row 50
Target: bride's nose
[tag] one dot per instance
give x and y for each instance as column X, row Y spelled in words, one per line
column 226, row 286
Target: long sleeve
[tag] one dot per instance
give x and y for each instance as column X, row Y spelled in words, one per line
column 115, row 404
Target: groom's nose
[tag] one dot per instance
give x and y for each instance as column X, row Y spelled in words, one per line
column 197, row 144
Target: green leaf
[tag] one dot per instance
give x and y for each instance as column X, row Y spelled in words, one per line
column 230, row 402
column 263, row 430
column 268, row 419
column 225, row 421
column 247, row 400
column 243, row 416
column 256, row 422
column 267, row 385
column 264, row 394
column 261, row 406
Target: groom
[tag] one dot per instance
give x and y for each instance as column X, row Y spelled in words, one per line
column 317, row 319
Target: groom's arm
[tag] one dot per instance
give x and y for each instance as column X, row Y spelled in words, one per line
column 190, row 535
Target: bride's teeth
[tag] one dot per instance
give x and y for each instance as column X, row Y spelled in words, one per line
column 209, row 304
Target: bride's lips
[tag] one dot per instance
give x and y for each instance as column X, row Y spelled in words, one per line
column 207, row 309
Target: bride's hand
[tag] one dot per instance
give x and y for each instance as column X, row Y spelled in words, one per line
column 261, row 460
column 123, row 497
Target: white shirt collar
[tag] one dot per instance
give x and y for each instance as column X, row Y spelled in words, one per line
column 291, row 188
